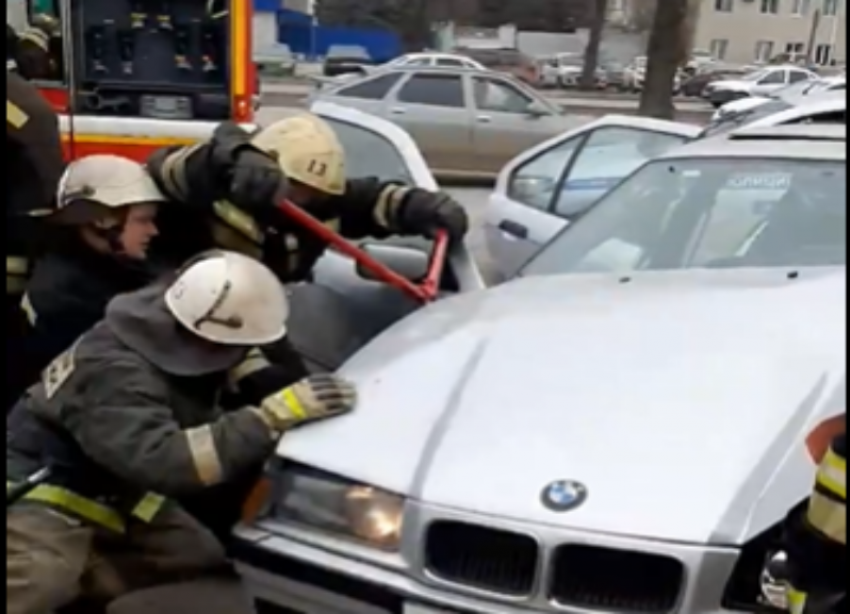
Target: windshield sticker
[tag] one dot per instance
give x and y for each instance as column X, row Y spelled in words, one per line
column 751, row 181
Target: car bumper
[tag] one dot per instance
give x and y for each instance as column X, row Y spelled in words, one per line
column 287, row 574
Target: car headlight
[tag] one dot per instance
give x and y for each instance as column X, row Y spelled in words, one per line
column 336, row 505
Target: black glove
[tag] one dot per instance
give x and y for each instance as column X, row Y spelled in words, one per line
column 425, row 212
column 250, row 179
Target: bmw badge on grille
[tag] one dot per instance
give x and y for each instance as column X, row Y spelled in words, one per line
column 563, row 495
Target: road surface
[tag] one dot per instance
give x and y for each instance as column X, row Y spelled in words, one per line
column 293, row 94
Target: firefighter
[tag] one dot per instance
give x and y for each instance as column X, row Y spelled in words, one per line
column 816, row 538
column 239, row 177
column 102, row 228
column 127, row 420
column 34, row 165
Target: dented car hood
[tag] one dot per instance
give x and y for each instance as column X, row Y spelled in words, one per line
column 680, row 400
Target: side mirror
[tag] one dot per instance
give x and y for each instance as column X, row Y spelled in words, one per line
column 537, row 109
column 409, row 262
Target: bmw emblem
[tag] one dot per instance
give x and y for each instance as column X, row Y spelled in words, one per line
column 563, row 495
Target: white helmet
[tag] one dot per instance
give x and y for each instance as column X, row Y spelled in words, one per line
column 231, row 299
column 107, row 180
column 307, row 150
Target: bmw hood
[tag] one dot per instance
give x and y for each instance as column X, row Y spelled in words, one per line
column 679, row 400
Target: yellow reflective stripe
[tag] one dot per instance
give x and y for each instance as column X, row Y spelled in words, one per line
column 293, row 404
column 16, row 265
column 828, row 516
column 148, row 507
column 796, row 600
column 15, row 115
column 204, row 452
column 238, row 219
column 173, row 171
column 386, row 207
column 29, row 310
column 81, row 507
column 37, row 37
column 254, row 361
column 832, row 474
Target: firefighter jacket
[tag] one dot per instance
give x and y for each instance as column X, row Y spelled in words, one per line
column 67, row 294
column 210, row 220
column 35, row 164
column 816, row 537
column 122, row 435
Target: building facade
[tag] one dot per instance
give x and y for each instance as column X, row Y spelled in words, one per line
column 746, row 31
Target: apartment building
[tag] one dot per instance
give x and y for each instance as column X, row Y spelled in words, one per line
column 744, row 31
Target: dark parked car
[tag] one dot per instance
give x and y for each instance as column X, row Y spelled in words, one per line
column 695, row 86
column 342, row 59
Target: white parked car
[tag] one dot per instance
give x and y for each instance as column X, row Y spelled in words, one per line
column 544, row 187
column 758, row 83
column 796, row 94
column 624, row 440
column 826, row 107
column 540, row 191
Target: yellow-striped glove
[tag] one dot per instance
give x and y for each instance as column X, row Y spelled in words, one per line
column 315, row 397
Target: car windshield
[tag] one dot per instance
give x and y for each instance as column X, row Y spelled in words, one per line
column 736, row 119
column 709, row 213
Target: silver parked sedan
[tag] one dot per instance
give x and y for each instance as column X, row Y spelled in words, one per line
column 466, row 122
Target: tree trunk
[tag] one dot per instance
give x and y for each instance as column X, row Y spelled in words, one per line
column 667, row 43
column 594, row 41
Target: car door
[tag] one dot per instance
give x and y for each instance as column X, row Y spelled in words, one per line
column 541, row 189
column 502, row 125
column 431, row 107
column 771, row 82
column 340, row 311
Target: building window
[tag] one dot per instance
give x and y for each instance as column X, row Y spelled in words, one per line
column 830, row 7
column 823, row 55
column 718, row 48
column 795, row 47
column 801, row 7
column 723, row 6
column 770, row 7
column 764, row 51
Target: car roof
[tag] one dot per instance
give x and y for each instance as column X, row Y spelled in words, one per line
column 436, row 54
column 457, row 70
column 800, row 141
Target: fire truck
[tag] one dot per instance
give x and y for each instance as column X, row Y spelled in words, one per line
column 130, row 76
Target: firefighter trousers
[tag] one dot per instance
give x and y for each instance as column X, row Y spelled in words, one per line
column 53, row 559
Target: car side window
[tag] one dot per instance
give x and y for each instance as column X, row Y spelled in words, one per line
column 373, row 89
column 369, row 154
column 450, row 62
column 417, row 62
column 607, row 157
column 499, row 96
column 433, row 90
column 773, row 78
column 534, row 182
column 796, row 76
